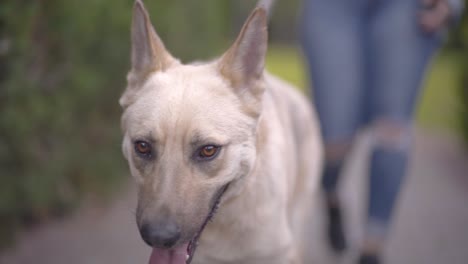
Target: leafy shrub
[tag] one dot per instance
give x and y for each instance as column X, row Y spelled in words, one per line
column 461, row 39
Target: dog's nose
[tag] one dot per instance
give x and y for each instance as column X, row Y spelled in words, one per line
column 161, row 235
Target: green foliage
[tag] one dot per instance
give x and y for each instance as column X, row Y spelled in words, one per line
column 440, row 104
column 463, row 36
column 59, row 116
column 459, row 41
column 60, row 81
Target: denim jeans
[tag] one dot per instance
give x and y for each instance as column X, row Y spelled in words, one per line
column 367, row 59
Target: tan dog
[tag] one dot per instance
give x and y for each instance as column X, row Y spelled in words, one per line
column 222, row 133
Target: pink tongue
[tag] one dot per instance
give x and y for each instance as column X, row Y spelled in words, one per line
column 176, row 255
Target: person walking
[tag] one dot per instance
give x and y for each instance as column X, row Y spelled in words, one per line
column 367, row 59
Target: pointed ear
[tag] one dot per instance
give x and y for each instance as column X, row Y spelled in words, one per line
column 148, row 51
column 244, row 62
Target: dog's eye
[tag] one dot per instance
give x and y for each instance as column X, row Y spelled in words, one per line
column 208, row 152
column 143, row 149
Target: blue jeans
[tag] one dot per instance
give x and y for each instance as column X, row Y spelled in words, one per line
column 367, row 59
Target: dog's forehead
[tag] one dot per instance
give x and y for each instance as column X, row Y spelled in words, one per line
column 190, row 97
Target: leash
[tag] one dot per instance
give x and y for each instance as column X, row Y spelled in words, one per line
column 194, row 242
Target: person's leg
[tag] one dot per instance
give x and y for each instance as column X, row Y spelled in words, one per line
column 335, row 155
column 388, row 166
column 332, row 42
column 399, row 53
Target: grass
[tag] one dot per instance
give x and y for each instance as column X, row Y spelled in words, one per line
column 438, row 107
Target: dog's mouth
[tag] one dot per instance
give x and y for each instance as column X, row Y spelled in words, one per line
column 184, row 253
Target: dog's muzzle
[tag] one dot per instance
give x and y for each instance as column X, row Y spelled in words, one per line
column 163, row 237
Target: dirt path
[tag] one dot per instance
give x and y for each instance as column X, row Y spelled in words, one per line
column 431, row 226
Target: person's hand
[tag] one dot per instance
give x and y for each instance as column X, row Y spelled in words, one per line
column 435, row 15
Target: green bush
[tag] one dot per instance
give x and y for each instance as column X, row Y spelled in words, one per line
column 461, row 40
column 464, row 98
column 60, row 80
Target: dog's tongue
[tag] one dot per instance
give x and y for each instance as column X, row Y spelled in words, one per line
column 176, row 255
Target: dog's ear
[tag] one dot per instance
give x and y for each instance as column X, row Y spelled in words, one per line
column 244, row 61
column 148, row 53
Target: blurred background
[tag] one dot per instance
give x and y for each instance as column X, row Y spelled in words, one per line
column 62, row 69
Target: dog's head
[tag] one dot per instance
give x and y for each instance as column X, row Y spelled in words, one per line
column 189, row 130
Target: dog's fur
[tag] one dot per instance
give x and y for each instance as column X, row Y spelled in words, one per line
column 270, row 146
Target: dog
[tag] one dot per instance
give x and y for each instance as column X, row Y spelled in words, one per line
column 222, row 137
